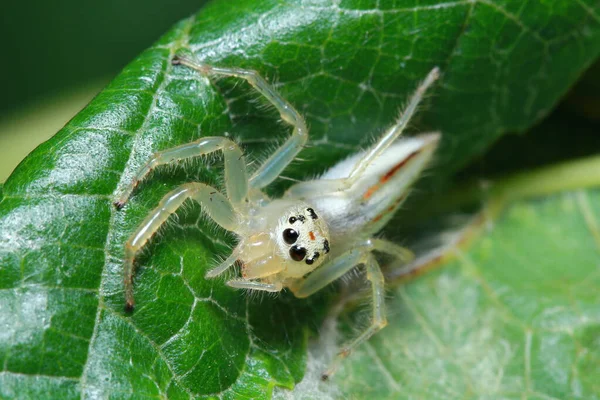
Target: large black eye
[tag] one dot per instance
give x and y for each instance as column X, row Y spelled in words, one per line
column 297, row 253
column 290, row 236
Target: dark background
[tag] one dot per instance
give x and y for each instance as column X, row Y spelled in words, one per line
column 51, row 46
column 58, row 54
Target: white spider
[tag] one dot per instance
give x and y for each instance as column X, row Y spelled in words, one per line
column 319, row 229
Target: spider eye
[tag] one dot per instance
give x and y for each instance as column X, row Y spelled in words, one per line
column 297, row 253
column 290, row 236
column 310, row 261
column 326, row 246
column 292, row 220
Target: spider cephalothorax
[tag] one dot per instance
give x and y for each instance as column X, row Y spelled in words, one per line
column 303, row 238
column 284, row 243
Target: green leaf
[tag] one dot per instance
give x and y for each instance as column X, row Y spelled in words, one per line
column 514, row 316
column 348, row 66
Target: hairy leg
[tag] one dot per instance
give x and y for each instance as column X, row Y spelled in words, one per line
column 213, row 203
column 392, row 249
column 329, row 272
column 334, row 269
column 254, row 285
column 280, row 159
column 378, row 321
column 228, row 262
column 392, row 134
column 323, row 186
column 236, row 180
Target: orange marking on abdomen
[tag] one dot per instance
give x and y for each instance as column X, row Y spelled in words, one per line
column 378, row 217
column 396, row 167
column 311, row 235
column 390, row 209
column 370, row 191
column 388, row 175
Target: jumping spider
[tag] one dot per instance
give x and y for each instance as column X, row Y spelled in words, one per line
column 319, row 229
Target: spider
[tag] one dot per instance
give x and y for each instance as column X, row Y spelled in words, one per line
column 319, row 229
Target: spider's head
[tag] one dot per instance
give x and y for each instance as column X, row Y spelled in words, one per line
column 302, row 239
column 295, row 243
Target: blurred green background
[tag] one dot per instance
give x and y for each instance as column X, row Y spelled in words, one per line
column 58, row 55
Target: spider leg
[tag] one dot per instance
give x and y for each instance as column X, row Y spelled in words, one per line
column 215, row 204
column 392, row 134
column 277, row 161
column 327, row 185
column 236, row 180
column 387, row 247
column 378, row 321
column 328, row 272
column 340, row 265
column 254, row 285
column 228, row 262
